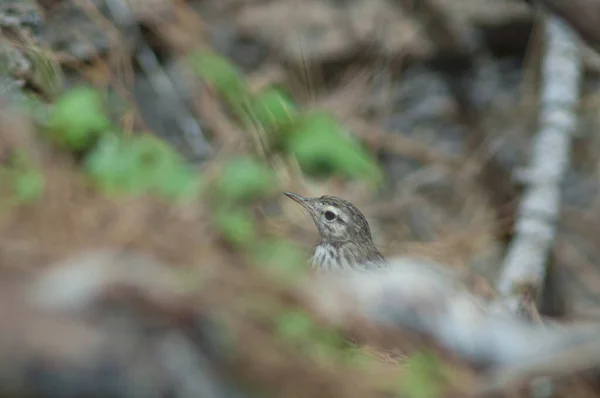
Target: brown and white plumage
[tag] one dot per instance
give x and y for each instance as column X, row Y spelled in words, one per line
column 346, row 241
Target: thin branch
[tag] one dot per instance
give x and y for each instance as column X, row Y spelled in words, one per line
column 526, row 260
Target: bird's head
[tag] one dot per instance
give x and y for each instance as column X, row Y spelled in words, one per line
column 336, row 219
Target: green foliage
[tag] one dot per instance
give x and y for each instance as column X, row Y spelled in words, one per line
column 244, row 179
column 330, row 345
column 237, row 225
column 240, row 182
column 272, row 110
column 141, row 165
column 295, row 326
column 318, row 141
column 118, row 165
column 220, row 74
column 356, row 357
column 323, row 147
column 282, row 257
column 27, row 181
column 78, row 120
column 28, row 185
column 424, row 377
column 298, row 329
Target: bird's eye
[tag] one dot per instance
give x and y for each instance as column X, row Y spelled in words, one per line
column 329, row 215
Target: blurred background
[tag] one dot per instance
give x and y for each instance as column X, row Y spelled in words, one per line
column 172, row 127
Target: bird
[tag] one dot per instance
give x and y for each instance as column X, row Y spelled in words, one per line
column 345, row 236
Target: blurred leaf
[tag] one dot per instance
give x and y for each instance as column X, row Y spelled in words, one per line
column 78, row 119
column 19, row 159
column 236, row 225
column 220, row 73
column 141, row 165
column 326, row 352
column 315, row 152
column 359, row 163
column 163, row 168
column 294, row 326
column 299, row 329
column 272, row 109
column 322, row 147
column 29, row 185
column 178, row 182
column 285, row 258
column 329, row 344
column 27, row 181
column 356, row 356
column 113, row 165
column 423, row 377
column 245, row 179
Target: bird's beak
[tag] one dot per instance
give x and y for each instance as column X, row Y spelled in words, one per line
column 304, row 202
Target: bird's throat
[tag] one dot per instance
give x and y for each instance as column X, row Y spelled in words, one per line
column 346, row 256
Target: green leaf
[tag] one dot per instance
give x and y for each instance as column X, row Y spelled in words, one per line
column 315, row 152
column 322, row 147
column 423, row 377
column 163, row 169
column 356, row 357
column 220, row 73
column 27, row 181
column 245, row 179
column 272, row 109
column 113, row 165
column 324, row 351
column 295, row 326
column 78, row 119
column 141, row 165
column 29, row 185
column 179, row 183
column 236, row 225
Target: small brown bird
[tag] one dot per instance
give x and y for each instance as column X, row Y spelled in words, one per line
column 346, row 242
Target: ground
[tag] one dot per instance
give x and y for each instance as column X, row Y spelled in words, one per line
column 441, row 97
